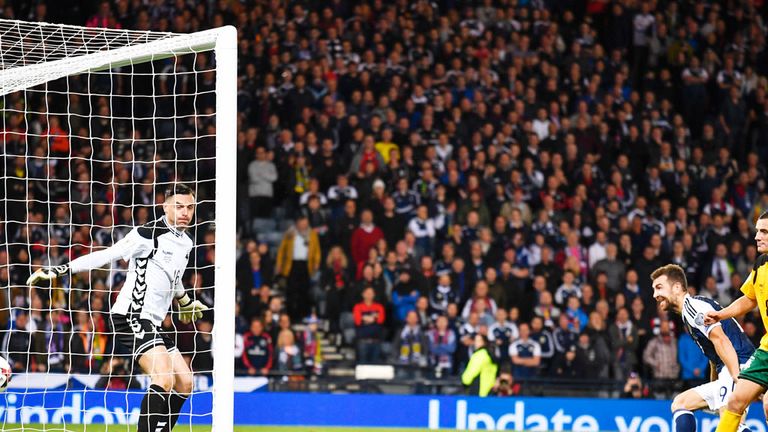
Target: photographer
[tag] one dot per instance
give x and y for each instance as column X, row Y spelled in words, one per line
column 506, row 385
column 633, row 388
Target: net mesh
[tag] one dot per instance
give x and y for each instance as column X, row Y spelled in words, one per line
column 23, row 43
column 86, row 155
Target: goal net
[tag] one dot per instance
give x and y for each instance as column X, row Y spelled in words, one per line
column 96, row 123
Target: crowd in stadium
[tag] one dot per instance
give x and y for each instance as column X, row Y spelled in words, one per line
column 514, row 169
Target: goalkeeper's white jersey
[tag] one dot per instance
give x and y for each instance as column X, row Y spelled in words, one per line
column 157, row 255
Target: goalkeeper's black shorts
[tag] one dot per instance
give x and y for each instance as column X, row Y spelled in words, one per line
column 140, row 335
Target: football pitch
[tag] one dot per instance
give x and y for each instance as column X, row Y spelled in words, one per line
column 123, row 428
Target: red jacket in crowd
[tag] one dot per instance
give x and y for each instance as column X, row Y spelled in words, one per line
column 363, row 241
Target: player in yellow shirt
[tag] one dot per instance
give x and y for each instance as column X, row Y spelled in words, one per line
column 753, row 380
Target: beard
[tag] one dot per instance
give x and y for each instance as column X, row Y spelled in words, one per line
column 664, row 305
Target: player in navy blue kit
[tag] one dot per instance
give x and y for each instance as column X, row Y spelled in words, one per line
column 724, row 343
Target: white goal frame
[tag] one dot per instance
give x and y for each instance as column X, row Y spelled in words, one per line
column 223, row 42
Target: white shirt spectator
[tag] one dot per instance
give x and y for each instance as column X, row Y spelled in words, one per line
column 336, row 193
column 721, row 207
column 423, row 228
column 529, row 346
column 565, row 291
column 596, row 252
column 305, row 197
column 541, row 128
column 643, row 25
column 300, row 248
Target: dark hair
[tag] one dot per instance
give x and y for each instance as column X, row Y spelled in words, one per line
column 178, row 189
column 486, row 345
column 673, row 272
column 763, row 215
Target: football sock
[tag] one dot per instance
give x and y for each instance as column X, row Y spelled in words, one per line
column 683, row 421
column 729, row 422
column 176, row 401
column 154, row 410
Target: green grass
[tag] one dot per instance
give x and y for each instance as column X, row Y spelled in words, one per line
column 124, row 428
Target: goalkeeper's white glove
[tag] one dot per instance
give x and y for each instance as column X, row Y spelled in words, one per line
column 190, row 310
column 47, row 274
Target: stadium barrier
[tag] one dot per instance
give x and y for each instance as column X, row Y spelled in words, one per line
column 72, row 405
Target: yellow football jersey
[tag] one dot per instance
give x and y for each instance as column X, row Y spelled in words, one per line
column 756, row 288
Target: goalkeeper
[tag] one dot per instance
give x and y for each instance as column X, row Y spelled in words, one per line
column 157, row 255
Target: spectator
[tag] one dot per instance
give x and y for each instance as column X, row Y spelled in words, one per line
column 405, row 199
column 588, row 358
column 598, row 250
column 467, row 332
column 525, row 354
column 253, row 279
column 565, row 365
column 262, row 173
column 546, row 310
column 548, row 269
column 318, row 218
column 56, row 340
column 567, row 289
column 544, row 338
column 335, row 282
column 501, row 333
column 340, row 193
column 422, row 310
column 18, row 342
column 442, row 295
column 391, row 224
column 288, row 354
column 577, row 317
column 405, row 293
column 480, row 302
column 257, row 349
column 480, row 374
column 424, row 229
column 298, row 259
column 624, row 344
column 564, row 336
column 364, row 237
column 644, row 25
column 599, row 341
column 202, row 360
column 661, row 354
column 720, row 269
column 693, row 362
column 312, row 347
column 411, row 344
column 442, row 345
column 369, row 323
column 88, row 346
column 345, row 225
column 496, row 289
column 612, row 267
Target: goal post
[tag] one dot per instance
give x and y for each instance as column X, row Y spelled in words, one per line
column 34, row 56
column 226, row 209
